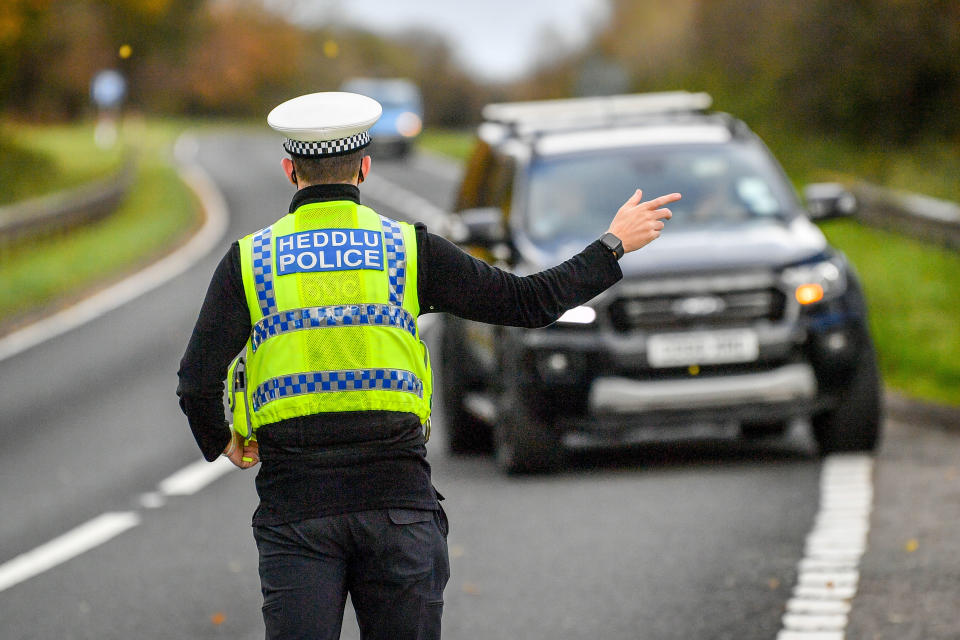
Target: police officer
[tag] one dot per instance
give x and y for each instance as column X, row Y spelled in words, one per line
column 323, row 304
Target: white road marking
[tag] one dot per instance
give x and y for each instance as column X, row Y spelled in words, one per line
column 810, row 635
column 108, row 525
column 797, row 605
column 70, row 545
column 439, row 165
column 411, row 206
column 93, row 533
column 195, row 476
column 828, row 574
column 152, row 500
column 214, row 226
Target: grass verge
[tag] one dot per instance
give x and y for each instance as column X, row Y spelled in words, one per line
column 447, row 142
column 913, row 293
column 156, row 214
column 35, row 160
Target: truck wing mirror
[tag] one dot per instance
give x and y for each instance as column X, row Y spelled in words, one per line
column 829, row 200
column 483, row 227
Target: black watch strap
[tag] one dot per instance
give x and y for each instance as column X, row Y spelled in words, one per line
column 613, row 243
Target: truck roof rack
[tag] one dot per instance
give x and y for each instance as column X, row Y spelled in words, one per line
column 544, row 115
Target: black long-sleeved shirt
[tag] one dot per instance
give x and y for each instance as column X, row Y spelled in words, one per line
column 352, row 461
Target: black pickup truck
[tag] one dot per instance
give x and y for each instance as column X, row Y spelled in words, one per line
column 738, row 320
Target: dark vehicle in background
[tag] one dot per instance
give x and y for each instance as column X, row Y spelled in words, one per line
column 738, row 320
column 402, row 120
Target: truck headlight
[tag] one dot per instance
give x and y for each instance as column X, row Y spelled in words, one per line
column 812, row 283
column 578, row 315
column 409, row 124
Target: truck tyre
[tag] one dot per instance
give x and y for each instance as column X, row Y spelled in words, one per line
column 465, row 432
column 854, row 424
column 524, row 439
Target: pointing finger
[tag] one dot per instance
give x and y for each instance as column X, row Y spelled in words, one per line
column 656, row 203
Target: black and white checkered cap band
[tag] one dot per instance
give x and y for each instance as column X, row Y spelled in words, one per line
column 327, row 147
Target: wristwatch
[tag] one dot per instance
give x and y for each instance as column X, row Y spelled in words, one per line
column 613, row 243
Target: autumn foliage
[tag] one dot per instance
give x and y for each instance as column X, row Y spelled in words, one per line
column 871, row 70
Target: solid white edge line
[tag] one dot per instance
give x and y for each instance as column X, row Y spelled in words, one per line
column 195, row 476
column 91, row 534
column 214, row 226
column 828, row 575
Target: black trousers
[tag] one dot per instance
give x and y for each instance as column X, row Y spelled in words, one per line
column 393, row 563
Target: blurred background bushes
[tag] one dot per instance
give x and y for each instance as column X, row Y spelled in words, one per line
column 875, row 71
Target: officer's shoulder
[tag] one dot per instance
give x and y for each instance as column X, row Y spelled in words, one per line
column 252, row 234
column 393, row 220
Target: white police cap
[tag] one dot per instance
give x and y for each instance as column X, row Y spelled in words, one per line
column 323, row 124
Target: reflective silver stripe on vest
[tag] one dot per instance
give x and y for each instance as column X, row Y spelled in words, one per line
column 263, row 271
column 396, row 259
column 339, row 316
column 327, row 381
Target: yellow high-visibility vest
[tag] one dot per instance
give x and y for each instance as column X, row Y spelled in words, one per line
column 332, row 293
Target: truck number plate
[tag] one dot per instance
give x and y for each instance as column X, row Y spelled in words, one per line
column 702, row 347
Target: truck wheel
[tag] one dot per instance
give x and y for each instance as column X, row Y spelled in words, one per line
column 524, row 440
column 465, row 432
column 854, row 424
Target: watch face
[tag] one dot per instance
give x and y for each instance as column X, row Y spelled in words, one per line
column 613, row 243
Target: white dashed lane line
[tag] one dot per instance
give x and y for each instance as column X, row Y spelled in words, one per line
column 70, row 545
column 194, row 477
column 107, row 526
column 201, row 473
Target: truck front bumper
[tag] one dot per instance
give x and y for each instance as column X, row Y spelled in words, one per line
column 786, row 384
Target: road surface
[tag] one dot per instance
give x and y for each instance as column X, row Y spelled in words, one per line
column 111, row 527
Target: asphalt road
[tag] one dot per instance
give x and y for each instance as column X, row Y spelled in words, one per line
column 665, row 541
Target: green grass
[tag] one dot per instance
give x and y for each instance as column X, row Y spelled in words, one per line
column 158, row 211
column 35, row 160
column 913, row 295
column 448, row 142
column 930, row 168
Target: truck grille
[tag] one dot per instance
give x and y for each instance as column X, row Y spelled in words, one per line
column 703, row 309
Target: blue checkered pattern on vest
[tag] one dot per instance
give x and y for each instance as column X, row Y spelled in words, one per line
column 339, row 316
column 327, row 381
column 275, row 323
column 263, row 271
column 396, row 259
column 263, row 265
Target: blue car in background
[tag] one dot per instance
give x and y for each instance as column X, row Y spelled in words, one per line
column 402, row 118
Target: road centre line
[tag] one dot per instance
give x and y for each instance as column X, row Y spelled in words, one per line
column 201, row 473
column 195, row 476
column 107, row 526
column 165, row 269
column 71, row 544
column 111, row 524
column 828, row 574
column 104, row 527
